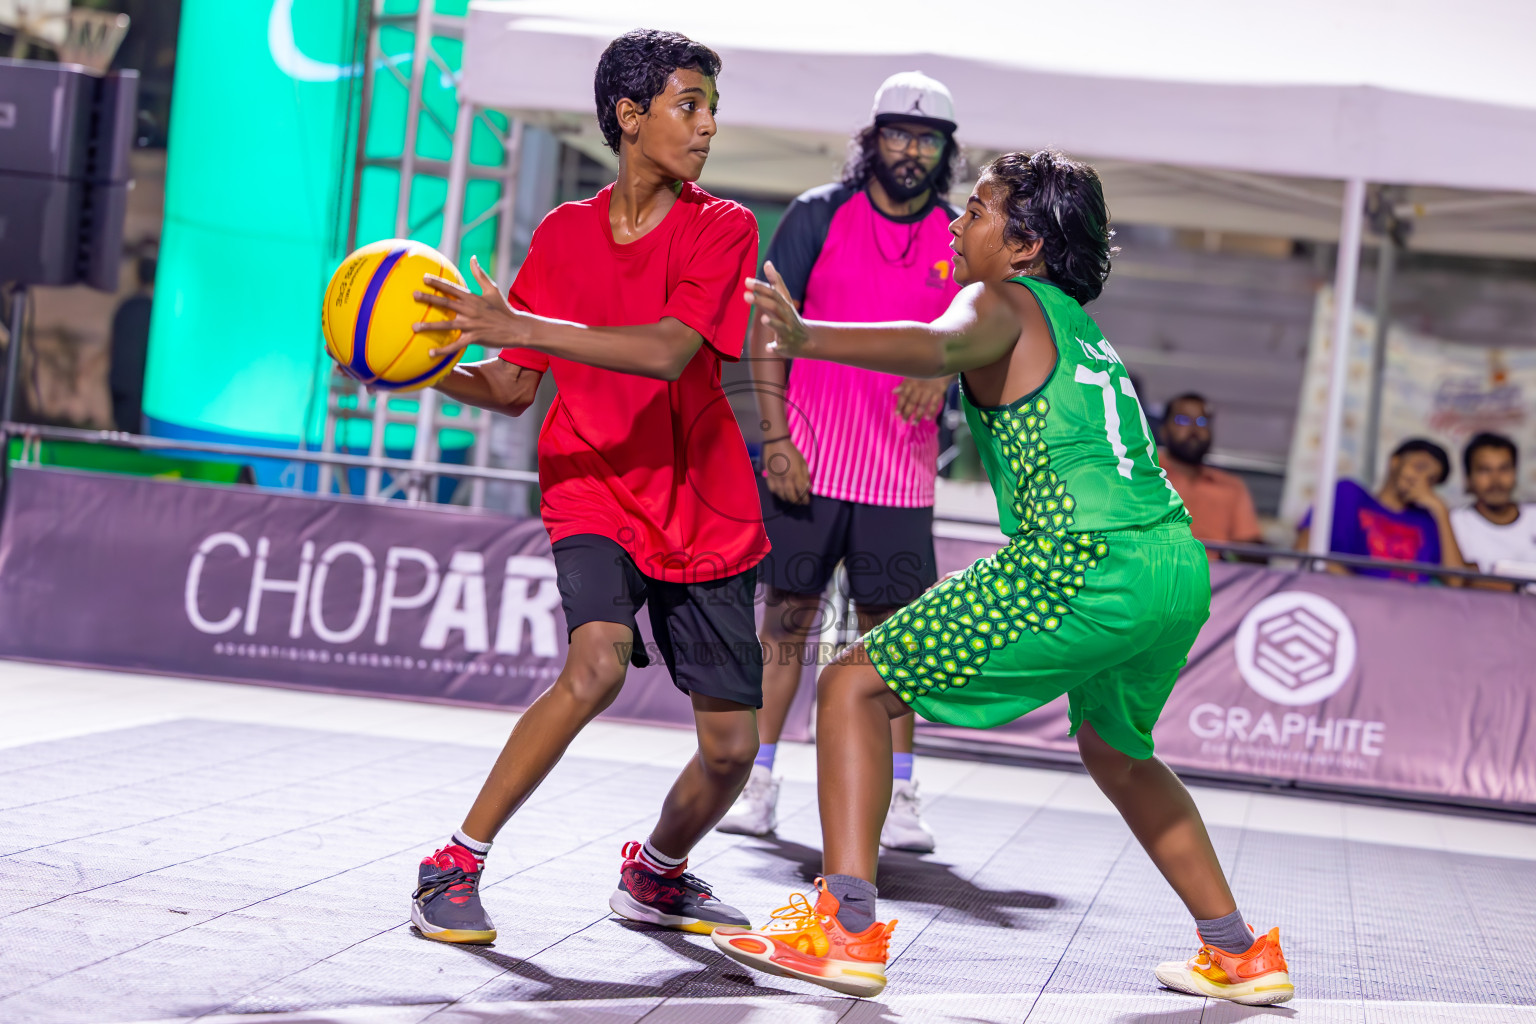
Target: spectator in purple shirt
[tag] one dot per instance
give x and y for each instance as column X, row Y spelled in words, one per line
column 1404, row 521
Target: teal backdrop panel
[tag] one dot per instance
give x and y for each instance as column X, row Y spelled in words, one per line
column 256, row 159
column 256, row 193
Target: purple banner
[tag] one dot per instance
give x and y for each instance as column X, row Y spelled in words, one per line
column 1325, row 680
column 1338, row 681
column 252, row 586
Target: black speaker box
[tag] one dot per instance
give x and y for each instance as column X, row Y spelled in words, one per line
column 65, row 134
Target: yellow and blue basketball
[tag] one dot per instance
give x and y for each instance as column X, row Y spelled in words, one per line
column 370, row 311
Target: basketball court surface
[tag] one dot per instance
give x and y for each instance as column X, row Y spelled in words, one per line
column 189, row 851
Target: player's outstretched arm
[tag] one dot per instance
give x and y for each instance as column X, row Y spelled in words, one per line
column 660, row 350
column 493, row 384
column 980, row 327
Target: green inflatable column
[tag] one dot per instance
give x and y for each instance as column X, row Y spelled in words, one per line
column 253, row 185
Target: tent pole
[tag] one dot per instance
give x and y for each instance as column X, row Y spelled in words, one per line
column 1386, row 271
column 1345, row 274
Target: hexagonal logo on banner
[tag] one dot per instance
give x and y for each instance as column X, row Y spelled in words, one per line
column 1295, row 648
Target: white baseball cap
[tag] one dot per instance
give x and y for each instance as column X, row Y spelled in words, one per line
column 913, row 96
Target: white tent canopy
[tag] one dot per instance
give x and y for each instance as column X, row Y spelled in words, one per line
column 1198, row 113
column 1265, row 118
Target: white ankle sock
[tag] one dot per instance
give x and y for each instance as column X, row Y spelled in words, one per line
column 474, row 846
column 656, row 861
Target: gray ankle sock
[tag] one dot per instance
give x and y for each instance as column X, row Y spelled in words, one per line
column 1228, row 934
column 857, row 901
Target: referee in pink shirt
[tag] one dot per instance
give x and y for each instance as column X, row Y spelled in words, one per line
column 850, row 455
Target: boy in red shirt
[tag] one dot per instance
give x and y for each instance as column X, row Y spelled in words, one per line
column 630, row 299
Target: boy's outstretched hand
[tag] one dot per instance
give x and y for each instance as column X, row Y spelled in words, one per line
column 485, row 319
column 778, row 312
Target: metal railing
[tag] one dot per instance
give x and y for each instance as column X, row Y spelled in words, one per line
column 28, row 431
column 120, row 439
column 1308, row 560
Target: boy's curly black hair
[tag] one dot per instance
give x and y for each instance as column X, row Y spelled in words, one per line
column 636, row 66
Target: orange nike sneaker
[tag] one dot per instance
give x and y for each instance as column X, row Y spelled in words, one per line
column 1257, row 977
column 809, row 943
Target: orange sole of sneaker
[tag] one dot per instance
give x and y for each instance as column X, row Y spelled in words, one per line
column 461, row 938
column 458, row 936
column 755, row 951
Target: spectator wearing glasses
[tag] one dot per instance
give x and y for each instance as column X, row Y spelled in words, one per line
column 1495, row 533
column 1220, row 507
column 849, row 454
column 1405, row 520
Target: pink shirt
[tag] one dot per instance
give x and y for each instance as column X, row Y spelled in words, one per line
column 869, row 268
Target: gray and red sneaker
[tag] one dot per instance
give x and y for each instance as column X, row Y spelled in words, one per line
column 675, row 899
column 446, row 905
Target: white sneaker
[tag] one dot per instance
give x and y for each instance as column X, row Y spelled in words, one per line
column 756, row 811
column 904, row 826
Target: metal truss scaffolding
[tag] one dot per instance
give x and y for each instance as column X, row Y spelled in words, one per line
column 347, row 401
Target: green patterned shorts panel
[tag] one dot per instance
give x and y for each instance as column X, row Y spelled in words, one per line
column 1091, row 615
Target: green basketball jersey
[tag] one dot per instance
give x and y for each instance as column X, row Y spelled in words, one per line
column 1077, row 456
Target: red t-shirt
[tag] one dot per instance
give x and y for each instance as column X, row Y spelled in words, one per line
column 659, row 467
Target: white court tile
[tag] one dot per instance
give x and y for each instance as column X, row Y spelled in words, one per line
column 941, row 775
column 641, row 744
column 1393, row 827
column 47, row 702
column 1228, row 808
column 746, row 1010
column 795, row 762
column 1154, row 1007
column 1028, row 787
column 62, row 721
column 1298, row 816
column 292, row 932
column 1418, row 1012
column 1092, row 1008
column 1488, row 837
column 1174, row 1008
column 1076, row 791
column 1079, row 793
column 340, row 1015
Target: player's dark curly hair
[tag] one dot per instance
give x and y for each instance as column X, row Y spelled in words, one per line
column 1050, row 197
column 864, row 151
column 636, row 66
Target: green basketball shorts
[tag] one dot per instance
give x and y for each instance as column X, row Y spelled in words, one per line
column 1107, row 619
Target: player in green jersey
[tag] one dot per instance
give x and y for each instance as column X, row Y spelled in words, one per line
column 1099, row 593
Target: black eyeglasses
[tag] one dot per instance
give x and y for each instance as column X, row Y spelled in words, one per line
column 928, row 143
column 1184, row 421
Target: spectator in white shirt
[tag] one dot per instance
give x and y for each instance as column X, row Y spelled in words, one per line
column 1495, row 533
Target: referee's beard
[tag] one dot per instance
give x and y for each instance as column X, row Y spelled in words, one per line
column 905, row 179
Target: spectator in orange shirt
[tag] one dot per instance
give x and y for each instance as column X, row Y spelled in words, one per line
column 1218, row 502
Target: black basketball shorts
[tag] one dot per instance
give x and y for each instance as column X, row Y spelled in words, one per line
column 705, row 632
column 887, row 551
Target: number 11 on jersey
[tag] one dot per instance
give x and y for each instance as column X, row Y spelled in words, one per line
column 1103, row 380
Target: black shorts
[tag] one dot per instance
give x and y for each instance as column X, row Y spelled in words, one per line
column 887, row 551
column 706, row 632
